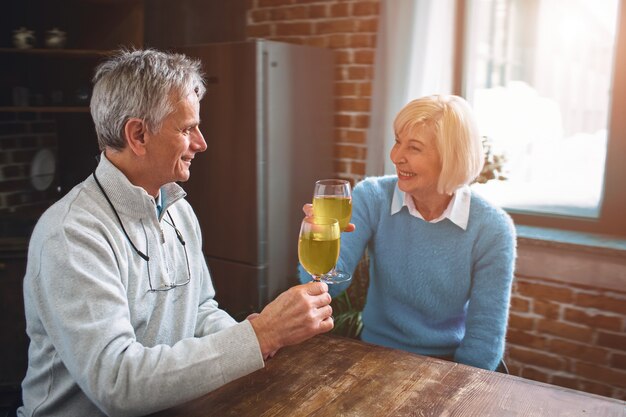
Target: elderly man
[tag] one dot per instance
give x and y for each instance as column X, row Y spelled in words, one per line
column 119, row 301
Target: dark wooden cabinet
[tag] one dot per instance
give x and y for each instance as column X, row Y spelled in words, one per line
column 13, row 339
column 45, row 94
column 44, row 104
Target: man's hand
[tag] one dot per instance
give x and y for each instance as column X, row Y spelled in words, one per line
column 294, row 316
column 308, row 212
column 271, row 354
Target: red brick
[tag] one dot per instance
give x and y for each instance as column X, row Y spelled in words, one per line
column 614, row 303
column 545, row 292
column 335, row 26
column 579, row 351
column 344, row 89
column 612, row 340
column 343, row 56
column 350, row 152
column 11, row 172
column 601, row 374
column 564, row 330
column 514, row 368
column 369, row 8
column 546, row 309
column 272, row 3
column 47, row 140
column 341, row 73
column 596, row 388
column 14, row 185
column 338, row 41
column 525, row 339
column 357, row 168
column 290, row 13
column 259, row 31
column 340, row 166
column 319, row 41
column 260, row 15
column 364, row 56
column 618, row 360
column 355, row 136
column 360, row 73
column 343, row 120
column 520, row 322
column 361, row 121
column 288, row 39
column 317, row 11
column 565, row 381
column 520, row 304
column 290, row 29
column 352, row 104
column 604, row 321
column 363, row 40
column 340, row 10
column 365, row 89
column 534, row 374
column 536, row 358
column 367, row 25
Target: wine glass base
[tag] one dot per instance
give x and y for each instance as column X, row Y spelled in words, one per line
column 336, row 277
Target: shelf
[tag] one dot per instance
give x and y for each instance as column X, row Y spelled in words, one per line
column 57, row 52
column 45, row 109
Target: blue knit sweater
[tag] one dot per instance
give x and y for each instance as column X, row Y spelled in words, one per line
column 435, row 289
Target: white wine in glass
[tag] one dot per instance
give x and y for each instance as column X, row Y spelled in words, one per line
column 333, row 198
column 318, row 246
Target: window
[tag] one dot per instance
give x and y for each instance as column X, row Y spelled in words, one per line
column 547, row 81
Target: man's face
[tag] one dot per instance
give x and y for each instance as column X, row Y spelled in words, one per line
column 172, row 149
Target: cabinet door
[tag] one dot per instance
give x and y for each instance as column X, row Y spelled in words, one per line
column 14, row 342
column 227, row 183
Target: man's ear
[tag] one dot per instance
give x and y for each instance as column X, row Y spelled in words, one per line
column 134, row 133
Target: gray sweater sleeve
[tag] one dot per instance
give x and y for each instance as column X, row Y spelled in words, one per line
column 83, row 308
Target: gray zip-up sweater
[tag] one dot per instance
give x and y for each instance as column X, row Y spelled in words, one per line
column 101, row 342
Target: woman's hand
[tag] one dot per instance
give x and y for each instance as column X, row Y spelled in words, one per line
column 308, row 212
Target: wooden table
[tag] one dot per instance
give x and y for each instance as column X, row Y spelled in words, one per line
column 331, row 376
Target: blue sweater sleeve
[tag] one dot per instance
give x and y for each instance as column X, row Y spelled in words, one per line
column 492, row 275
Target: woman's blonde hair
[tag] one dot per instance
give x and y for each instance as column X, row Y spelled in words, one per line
column 450, row 120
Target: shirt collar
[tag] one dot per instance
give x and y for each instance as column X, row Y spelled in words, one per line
column 129, row 199
column 158, row 203
column 457, row 210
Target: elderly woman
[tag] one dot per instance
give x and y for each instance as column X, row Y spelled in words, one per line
column 441, row 257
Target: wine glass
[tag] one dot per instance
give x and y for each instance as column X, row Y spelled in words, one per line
column 333, row 198
column 318, row 246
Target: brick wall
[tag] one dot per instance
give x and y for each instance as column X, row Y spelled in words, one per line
column 568, row 335
column 348, row 27
column 563, row 334
column 21, row 136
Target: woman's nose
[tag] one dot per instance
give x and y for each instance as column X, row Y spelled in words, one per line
column 397, row 156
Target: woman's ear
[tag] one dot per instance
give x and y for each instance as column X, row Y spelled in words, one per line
column 135, row 135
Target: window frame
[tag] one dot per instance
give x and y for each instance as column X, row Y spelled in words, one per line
column 612, row 216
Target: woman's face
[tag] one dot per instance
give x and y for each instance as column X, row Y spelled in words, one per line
column 417, row 161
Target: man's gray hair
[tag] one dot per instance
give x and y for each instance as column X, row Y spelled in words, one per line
column 143, row 84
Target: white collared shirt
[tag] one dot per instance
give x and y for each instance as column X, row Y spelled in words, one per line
column 457, row 210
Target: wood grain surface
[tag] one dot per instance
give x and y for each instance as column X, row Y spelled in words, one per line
column 329, row 376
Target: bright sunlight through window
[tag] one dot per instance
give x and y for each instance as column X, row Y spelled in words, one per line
column 538, row 75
